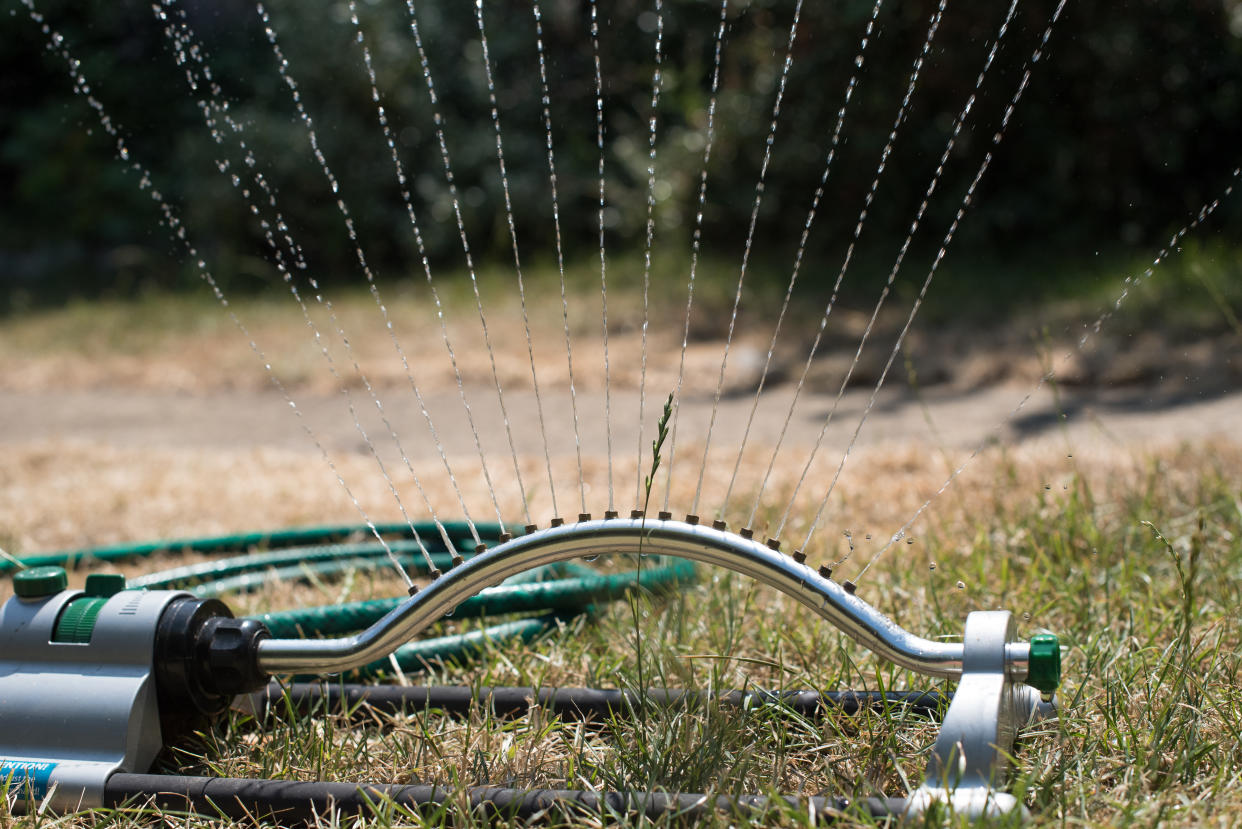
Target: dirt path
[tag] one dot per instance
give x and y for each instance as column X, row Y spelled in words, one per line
column 940, row 419
column 119, row 426
column 80, row 468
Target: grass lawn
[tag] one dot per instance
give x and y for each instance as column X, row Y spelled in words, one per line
column 1134, row 562
column 1130, row 550
column 1131, row 554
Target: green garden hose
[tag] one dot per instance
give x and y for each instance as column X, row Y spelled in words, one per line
column 578, row 592
column 457, row 531
column 554, row 593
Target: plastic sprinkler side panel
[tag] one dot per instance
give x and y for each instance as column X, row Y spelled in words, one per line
column 72, row 714
column 969, row 761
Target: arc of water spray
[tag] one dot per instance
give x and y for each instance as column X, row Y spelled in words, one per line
column 517, row 260
column 603, row 267
column 750, row 236
column 833, row 144
column 412, row 216
column 657, row 79
column 474, row 282
column 237, row 130
column 560, row 251
column 967, row 200
column 181, row 36
column 894, row 130
column 283, row 68
column 1167, row 251
column 178, row 235
column 697, row 239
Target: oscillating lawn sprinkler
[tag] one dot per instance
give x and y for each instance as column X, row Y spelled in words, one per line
column 94, row 683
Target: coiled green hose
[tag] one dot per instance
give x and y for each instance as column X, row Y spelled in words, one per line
column 555, row 593
column 457, row 531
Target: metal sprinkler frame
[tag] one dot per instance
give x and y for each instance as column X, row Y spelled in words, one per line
column 93, row 684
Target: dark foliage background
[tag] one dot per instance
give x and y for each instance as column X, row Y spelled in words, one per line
column 1132, row 120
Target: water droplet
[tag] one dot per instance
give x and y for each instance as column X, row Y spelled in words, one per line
column 931, row 566
column 961, row 585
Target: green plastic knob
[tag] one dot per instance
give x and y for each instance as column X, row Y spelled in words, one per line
column 77, row 620
column 40, row 582
column 1044, row 666
column 104, row 585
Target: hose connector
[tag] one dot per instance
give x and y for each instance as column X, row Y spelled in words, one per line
column 203, row 658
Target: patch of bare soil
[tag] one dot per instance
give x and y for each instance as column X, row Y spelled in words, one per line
column 176, row 430
column 190, row 348
column 73, row 494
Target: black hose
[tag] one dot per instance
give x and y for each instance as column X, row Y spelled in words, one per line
column 571, row 703
column 287, row 802
column 290, row 802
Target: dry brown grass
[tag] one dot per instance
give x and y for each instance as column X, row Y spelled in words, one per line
column 73, row 494
column 1014, row 531
column 187, row 343
column 1048, row 528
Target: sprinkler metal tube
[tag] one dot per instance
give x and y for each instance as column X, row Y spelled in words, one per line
column 856, row 618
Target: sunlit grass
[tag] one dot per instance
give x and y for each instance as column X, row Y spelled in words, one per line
column 1135, row 560
column 1138, row 573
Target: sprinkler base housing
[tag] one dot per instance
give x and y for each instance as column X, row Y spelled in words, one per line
column 84, row 695
column 72, row 714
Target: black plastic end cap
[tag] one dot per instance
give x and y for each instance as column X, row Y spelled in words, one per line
column 229, row 653
column 203, row 658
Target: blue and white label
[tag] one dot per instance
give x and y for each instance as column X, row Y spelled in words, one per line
column 26, row 778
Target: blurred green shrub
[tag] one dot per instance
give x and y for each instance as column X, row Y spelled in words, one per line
column 1130, row 123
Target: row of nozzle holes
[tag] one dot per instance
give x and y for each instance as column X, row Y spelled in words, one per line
column 774, row 544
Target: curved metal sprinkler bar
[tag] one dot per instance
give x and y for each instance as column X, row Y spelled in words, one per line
column 856, row 618
column 119, row 730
